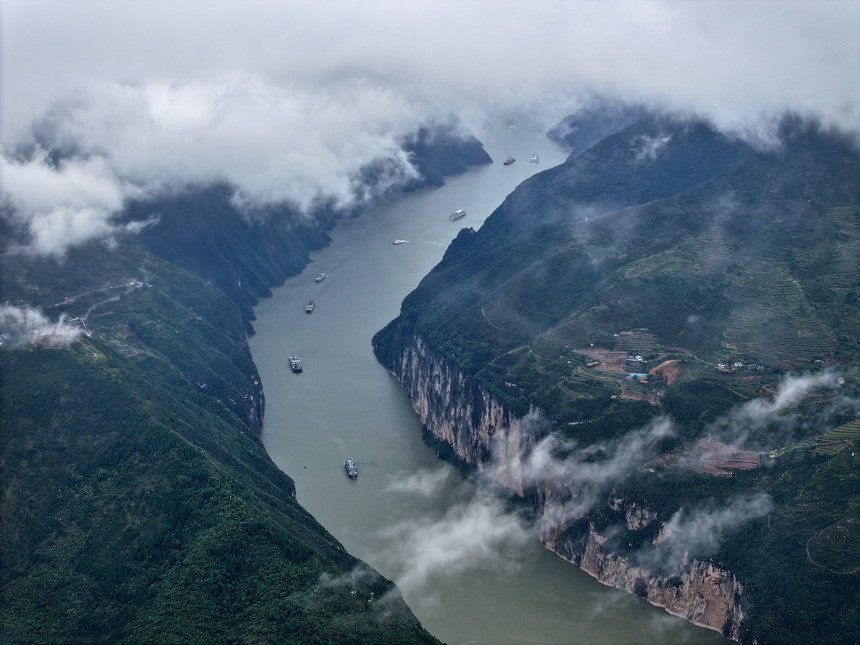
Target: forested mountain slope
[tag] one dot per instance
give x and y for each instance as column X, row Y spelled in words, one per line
column 139, row 505
column 667, row 278
column 245, row 250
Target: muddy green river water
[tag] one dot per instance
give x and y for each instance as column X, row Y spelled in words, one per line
column 470, row 570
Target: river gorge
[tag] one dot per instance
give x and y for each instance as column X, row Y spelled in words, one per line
column 470, row 568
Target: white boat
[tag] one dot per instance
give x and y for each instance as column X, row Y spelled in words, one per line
column 309, row 308
column 400, row 241
column 457, row 214
column 320, row 277
column 534, row 158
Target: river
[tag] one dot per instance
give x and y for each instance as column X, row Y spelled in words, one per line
column 468, row 568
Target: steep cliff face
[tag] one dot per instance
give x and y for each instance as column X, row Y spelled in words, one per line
column 698, row 591
column 634, row 247
column 481, row 431
column 485, row 435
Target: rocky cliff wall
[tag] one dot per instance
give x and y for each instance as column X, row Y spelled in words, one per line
column 485, row 435
column 699, row 591
column 481, row 431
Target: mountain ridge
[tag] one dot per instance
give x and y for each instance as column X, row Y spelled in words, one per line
column 139, row 504
column 575, row 318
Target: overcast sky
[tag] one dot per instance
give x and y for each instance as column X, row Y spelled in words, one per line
column 287, row 99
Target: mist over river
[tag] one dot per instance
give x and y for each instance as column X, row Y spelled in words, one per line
column 469, row 569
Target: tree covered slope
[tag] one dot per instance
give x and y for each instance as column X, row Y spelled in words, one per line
column 671, row 273
column 138, row 504
column 713, row 250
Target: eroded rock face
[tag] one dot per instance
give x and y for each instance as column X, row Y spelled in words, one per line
column 485, row 435
column 481, row 430
column 698, row 591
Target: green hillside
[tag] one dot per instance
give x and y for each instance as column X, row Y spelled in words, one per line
column 709, row 271
column 728, row 270
column 138, row 504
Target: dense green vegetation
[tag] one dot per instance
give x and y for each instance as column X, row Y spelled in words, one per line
column 726, row 270
column 138, row 504
column 711, row 271
column 245, row 250
column 799, row 564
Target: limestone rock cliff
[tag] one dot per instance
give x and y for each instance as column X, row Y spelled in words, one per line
column 484, row 434
column 699, row 591
column 465, row 416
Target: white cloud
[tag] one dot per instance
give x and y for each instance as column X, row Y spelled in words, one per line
column 743, row 420
column 273, row 141
column 63, row 205
column 24, row 326
column 425, row 483
column 699, row 532
column 647, row 148
column 578, row 478
column 478, row 532
column 722, row 57
column 289, row 100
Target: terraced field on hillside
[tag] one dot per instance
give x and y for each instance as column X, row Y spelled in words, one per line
column 845, row 436
column 775, row 323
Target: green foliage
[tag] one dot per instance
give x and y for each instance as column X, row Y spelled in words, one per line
column 138, row 504
column 799, row 565
column 695, row 403
column 705, row 252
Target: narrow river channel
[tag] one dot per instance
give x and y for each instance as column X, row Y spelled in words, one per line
column 468, row 569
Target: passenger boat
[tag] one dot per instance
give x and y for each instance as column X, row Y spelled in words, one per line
column 457, row 214
column 295, row 364
column 321, row 277
column 400, row 241
column 309, row 308
column 351, row 470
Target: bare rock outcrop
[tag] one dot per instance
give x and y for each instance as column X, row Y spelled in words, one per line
column 484, row 434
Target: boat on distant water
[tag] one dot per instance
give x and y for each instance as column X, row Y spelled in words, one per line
column 509, row 161
column 510, row 123
column 457, row 214
column 534, row 158
column 295, row 364
column 309, row 308
column 400, row 241
column 351, row 470
column 320, row 277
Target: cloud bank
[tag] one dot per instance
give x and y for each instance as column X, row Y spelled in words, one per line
column 21, row 327
column 781, row 410
column 287, row 101
column 718, row 57
column 475, row 533
column 583, row 475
